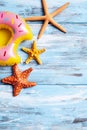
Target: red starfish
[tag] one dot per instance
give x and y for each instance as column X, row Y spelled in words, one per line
column 19, row 80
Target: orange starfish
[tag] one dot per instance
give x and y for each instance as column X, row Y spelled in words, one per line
column 48, row 18
column 33, row 53
column 19, row 80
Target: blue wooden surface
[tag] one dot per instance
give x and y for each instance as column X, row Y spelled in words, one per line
column 59, row 101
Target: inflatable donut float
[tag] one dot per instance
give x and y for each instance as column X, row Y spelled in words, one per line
column 13, row 30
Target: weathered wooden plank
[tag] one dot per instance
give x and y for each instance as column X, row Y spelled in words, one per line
column 50, row 106
column 76, row 12
column 43, row 106
column 64, row 62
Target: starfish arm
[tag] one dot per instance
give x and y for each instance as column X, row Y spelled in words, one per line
column 16, row 90
column 57, row 26
column 43, row 29
column 59, row 10
column 29, row 59
column 37, row 58
column 27, row 50
column 45, row 6
column 35, row 18
column 26, row 73
column 16, row 70
column 34, row 45
column 29, row 84
column 41, row 51
column 8, row 80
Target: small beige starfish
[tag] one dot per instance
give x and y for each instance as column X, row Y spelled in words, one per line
column 48, row 18
column 33, row 53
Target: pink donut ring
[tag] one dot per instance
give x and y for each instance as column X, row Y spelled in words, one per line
column 19, row 31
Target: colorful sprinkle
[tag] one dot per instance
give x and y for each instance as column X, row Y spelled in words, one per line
column 16, row 16
column 19, row 24
column 6, row 19
column 20, row 30
column 5, row 53
column 12, row 21
column 1, row 15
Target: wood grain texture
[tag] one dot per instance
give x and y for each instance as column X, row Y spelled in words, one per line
column 45, row 106
column 59, row 101
column 65, row 59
